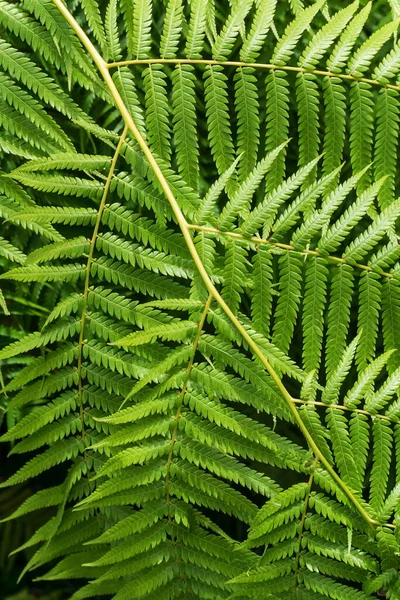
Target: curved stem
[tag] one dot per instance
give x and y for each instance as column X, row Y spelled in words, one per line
column 129, row 122
column 257, row 240
column 234, row 63
column 358, row 411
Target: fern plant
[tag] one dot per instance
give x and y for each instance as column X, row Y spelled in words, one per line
column 201, row 199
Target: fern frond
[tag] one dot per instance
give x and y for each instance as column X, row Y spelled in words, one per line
column 387, row 117
column 226, row 38
column 338, row 315
column 326, row 36
column 157, row 111
column 246, row 104
column 184, row 118
column 361, row 128
column 219, row 130
column 197, row 28
column 171, row 29
column 286, row 44
column 10, row 252
column 41, row 274
column 93, row 17
column 313, row 310
column 368, row 317
column 277, row 120
column 140, row 38
column 171, row 331
column 260, row 26
column 362, row 58
column 288, row 302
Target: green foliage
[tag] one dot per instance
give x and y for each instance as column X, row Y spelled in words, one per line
column 201, row 296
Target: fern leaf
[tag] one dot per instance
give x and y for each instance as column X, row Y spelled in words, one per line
column 126, row 86
column 157, row 111
column 336, row 233
column 23, row 69
column 382, row 436
column 61, row 451
column 171, row 331
column 319, row 219
column 362, row 58
column 196, row 29
column 385, row 151
column 308, row 108
column 260, row 26
column 117, row 273
column 289, row 298
column 285, row 46
column 338, row 315
column 342, row 449
column 41, row 499
column 35, row 273
column 133, row 254
column 326, row 36
column 225, row 417
column 362, row 244
column 380, row 398
column 331, row 392
column 391, row 318
column 340, row 55
column 264, row 213
column 41, row 416
column 261, row 305
column 40, row 366
column 226, row 467
column 184, row 119
column 16, row 123
column 368, row 317
column 361, row 129
column 10, row 252
column 56, row 214
column 73, row 248
column 246, row 104
column 277, row 122
column 219, row 130
column 17, row 98
column 81, row 162
column 207, row 211
column 172, row 29
column 364, row 384
column 304, row 202
column 313, row 310
column 140, row 41
column 335, row 124
column 241, row 197
column 60, row 184
column 226, row 38
column 389, row 66
column 234, row 273
column 359, row 436
column 93, row 17
column 319, row 433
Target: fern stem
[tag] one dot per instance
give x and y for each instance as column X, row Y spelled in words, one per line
column 347, row 408
column 257, row 240
column 174, row 431
column 239, row 64
column 88, row 267
column 127, row 117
